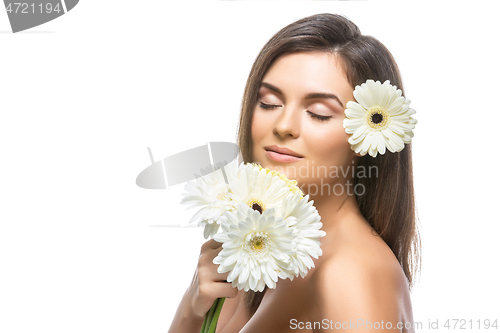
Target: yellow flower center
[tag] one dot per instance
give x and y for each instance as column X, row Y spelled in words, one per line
column 257, row 244
column 256, row 204
column 377, row 118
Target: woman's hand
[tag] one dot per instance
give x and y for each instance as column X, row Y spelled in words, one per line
column 207, row 285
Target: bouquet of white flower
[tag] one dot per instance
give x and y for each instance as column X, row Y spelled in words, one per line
column 269, row 228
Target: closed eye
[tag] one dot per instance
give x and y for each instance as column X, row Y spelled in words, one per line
column 317, row 116
column 269, row 106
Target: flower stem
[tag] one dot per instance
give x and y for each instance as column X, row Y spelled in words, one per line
column 215, row 318
column 203, row 327
column 208, row 317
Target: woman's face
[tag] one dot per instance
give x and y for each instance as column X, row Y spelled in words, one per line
column 297, row 126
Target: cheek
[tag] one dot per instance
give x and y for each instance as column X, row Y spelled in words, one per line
column 329, row 151
column 258, row 131
column 329, row 142
column 260, row 124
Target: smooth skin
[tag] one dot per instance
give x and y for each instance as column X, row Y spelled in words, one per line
column 357, row 280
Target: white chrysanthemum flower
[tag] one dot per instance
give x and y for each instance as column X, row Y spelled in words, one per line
column 259, row 188
column 379, row 119
column 303, row 218
column 256, row 248
column 210, row 195
column 292, row 184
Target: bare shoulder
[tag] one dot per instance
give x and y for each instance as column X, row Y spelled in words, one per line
column 360, row 280
column 356, row 280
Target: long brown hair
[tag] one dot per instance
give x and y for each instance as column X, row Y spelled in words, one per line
column 388, row 200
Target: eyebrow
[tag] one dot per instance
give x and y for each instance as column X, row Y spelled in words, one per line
column 308, row 96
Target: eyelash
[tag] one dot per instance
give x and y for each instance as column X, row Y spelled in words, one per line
column 313, row 115
column 268, row 106
column 319, row 117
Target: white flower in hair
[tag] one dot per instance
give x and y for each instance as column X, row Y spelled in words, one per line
column 380, row 118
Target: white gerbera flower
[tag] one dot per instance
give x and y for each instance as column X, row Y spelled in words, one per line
column 379, row 119
column 303, row 218
column 259, row 188
column 210, row 195
column 256, row 248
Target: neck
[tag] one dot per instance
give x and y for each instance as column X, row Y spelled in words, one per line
column 333, row 207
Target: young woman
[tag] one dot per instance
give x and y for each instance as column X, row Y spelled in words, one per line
column 292, row 120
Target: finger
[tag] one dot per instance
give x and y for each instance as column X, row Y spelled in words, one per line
column 210, row 244
column 208, row 255
column 212, row 276
column 227, row 290
column 209, row 262
column 219, row 277
column 208, row 271
column 222, row 289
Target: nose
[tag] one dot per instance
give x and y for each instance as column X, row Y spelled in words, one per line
column 288, row 123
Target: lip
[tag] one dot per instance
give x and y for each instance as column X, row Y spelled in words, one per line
column 282, row 154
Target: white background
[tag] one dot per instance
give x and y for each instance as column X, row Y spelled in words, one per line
column 83, row 249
